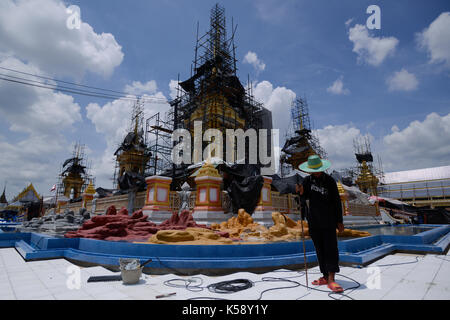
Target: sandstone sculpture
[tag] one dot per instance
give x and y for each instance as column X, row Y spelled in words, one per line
column 119, row 226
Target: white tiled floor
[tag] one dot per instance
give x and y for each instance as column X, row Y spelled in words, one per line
column 428, row 278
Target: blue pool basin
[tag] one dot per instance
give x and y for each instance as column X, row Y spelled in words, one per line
column 192, row 258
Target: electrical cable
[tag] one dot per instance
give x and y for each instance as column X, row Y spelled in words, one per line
column 274, row 279
column 66, row 82
column 171, row 268
column 233, row 286
column 243, row 284
column 45, row 85
column 442, row 258
column 187, row 284
column 62, row 90
column 397, row 264
column 236, row 285
column 330, row 294
column 230, row 286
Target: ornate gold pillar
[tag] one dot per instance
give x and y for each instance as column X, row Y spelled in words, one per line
column 208, row 203
column 157, row 205
column 344, row 198
column 88, row 194
column 208, row 183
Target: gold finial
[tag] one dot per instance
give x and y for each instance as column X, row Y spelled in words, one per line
column 340, row 188
column 208, row 170
column 90, row 189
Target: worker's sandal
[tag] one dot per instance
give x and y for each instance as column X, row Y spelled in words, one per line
column 335, row 287
column 319, row 282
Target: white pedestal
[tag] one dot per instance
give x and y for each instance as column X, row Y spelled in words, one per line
column 210, row 217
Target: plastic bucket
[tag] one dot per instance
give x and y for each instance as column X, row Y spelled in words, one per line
column 131, row 270
column 131, row 276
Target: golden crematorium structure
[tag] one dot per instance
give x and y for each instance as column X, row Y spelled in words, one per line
column 74, row 176
column 366, row 180
column 132, row 155
column 302, row 143
column 214, row 95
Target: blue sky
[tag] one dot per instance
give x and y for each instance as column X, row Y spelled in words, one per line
column 394, row 87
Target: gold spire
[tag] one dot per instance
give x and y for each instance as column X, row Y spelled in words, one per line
column 366, row 181
column 340, row 188
column 90, row 189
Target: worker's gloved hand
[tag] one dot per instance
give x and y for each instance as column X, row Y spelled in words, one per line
column 340, row 227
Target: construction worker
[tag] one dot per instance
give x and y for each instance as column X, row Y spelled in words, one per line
column 324, row 216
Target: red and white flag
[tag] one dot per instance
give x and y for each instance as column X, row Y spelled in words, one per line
column 53, row 188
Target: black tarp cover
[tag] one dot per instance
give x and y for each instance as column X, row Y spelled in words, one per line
column 131, row 141
column 75, row 168
column 298, row 143
column 243, row 183
column 287, row 184
column 245, row 194
column 364, row 157
column 102, row 192
column 130, row 180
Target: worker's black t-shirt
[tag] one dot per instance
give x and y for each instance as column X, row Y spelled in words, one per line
column 325, row 209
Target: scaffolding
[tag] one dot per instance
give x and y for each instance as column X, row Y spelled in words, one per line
column 133, row 154
column 212, row 95
column 301, row 142
column 75, row 172
column 368, row 175
column 158, row 135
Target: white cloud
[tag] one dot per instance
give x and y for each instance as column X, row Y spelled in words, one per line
column 138, row 88
column 36, row 31
column 35, row 110
column 31, row 160
column 112, row 120
column 252, row 58
column 338, row 87
column 272, row 10
column 173, row 87
column 278, row 100
column 420, row 145
column 38, row 119
column 337, row 141
column 402, row 81
column 372, row 50
column 34, row 38
column 436, row 39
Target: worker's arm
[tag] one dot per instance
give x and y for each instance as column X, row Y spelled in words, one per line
column 303, row 190
column 338, row 206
